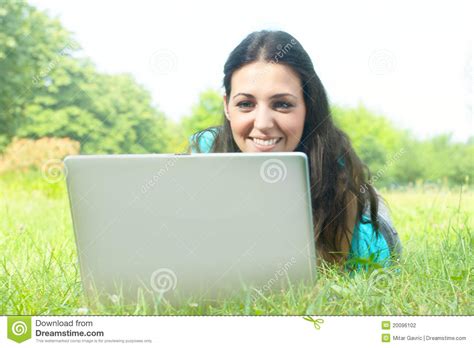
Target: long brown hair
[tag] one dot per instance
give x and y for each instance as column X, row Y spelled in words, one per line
column 338, row 177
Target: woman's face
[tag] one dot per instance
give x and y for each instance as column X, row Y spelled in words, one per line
column 266, row 108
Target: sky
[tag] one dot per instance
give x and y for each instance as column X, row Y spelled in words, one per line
column 410, row 61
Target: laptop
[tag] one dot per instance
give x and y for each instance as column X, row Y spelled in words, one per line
column 191, row 228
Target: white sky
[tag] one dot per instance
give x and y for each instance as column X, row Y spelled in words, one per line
column 408, row 60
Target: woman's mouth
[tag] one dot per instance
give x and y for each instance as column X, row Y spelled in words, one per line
column 265, row 145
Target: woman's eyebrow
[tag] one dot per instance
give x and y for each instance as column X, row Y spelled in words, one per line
column 279, row 95
column 244, row 94
column 275, row 96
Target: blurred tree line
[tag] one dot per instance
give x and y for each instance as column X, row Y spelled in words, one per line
column 48, row 90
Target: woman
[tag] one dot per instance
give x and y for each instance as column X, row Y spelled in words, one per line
column 274, row 101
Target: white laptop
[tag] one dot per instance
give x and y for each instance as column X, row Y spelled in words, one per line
column 191, row 228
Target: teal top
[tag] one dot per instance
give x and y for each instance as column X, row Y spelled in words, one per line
column 367, row 247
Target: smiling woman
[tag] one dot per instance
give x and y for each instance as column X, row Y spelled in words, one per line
column 266, row 108
column 275, row 102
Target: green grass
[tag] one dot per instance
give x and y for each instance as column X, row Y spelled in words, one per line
column 39, row 274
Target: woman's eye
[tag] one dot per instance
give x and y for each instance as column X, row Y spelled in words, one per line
column 245, row 105
column 282, row 105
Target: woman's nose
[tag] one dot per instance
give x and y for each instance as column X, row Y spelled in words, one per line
column 263, row 118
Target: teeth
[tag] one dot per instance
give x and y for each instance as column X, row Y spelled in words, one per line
column 265, row 142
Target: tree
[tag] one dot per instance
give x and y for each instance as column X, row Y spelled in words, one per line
column 206, row 113
column 376, row 141
column 29, row 42
column 105, row 113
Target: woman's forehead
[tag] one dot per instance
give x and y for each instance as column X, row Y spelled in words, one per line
column 265, row 79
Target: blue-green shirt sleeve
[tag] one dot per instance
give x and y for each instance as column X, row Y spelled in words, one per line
column 367, row 246
column 206, row 140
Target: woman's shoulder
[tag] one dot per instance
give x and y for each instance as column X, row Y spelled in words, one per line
column 367, row 245
column 202, row 141
column 378, row 246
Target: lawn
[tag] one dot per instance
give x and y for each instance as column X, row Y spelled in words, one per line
column 39, row 274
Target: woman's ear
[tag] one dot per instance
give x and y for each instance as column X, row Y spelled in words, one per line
column 226, row 107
